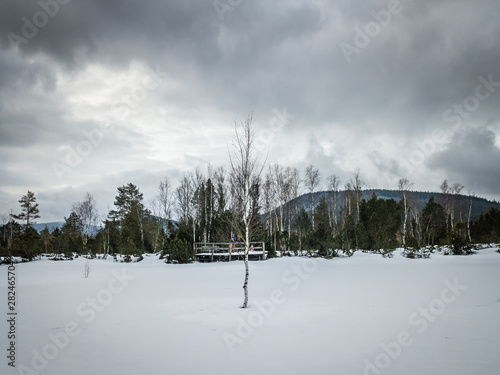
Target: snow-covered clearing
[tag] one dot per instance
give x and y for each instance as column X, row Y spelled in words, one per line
column 359, row 315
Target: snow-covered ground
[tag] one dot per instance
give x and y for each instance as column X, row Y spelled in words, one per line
column 359, row 315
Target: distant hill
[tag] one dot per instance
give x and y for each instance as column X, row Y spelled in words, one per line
column 58, row 224
column 479, row 205
column 418, row 198
column 52, row 226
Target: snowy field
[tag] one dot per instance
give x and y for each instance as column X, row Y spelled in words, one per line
column 359, row 315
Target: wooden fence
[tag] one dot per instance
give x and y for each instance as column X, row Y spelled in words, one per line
column 227, row 251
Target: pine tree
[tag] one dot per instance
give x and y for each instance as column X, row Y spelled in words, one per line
column 131, row 214
column 29, row 208
column 434, row 220
column 72, row 230
column 27, row 244
column 127, row 194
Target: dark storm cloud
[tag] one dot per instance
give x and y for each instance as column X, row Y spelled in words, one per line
column 262, row 56
column 471, row 158
column 114, row 31
column 275, row 54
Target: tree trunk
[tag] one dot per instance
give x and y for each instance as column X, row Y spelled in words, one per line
column 158, row 231
column 468, row 221
column 312, row 209
column 107, row 244
column 245, row 284
column 194, row 232
column 139, row 218
column 404, row 222
column 247, row 249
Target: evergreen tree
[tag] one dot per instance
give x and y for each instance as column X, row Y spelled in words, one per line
column 59, row 244
column 347, row 238
column 304, row 226
column 132, row 216
column 180, row 251
column 321, row 238
column 379, row 223
column 45, row 237
column 127, row 194
column 434, row 222
column 132, row 239
column 9, row 232
column 487, row 228
column 29, row 209
column 72, row 233
column 26, row 245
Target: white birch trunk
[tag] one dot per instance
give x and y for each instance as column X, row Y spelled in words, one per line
column 247, row 271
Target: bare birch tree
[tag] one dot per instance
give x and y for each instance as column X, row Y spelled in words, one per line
column 357, row 186
column 456, row 188
column 209, row 207
column 162, row 208
column 89, row 216
column 220, row 189
column 445, row 190
column 404, row 185
column 197, row 199
column 333, row 188
column 312, row 181
column 245, row 172
column 292, row 179
column 295, row 192
column 165, row 200
column 450, row 194
column 267, row 202
column 184, row 196
column 471, row 198
column 154, row 207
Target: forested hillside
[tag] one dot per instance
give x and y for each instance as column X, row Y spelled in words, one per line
column 418, row 198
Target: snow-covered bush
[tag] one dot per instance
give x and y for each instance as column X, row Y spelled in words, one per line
column 414, row 253
column 121, row 258
column 387, row 253
column 61, row 257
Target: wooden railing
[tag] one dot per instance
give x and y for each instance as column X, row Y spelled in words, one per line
column 229, row 250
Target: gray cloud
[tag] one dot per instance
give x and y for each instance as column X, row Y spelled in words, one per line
column 472, row 158
column 73, row 75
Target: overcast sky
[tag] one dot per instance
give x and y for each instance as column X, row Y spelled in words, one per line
column 96, row 94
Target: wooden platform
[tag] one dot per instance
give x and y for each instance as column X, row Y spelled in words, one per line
column 228, row 251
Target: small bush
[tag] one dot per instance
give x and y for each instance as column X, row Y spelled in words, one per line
column 460, row 245
column 179, row 251
column 422, row 252
column 387, row 253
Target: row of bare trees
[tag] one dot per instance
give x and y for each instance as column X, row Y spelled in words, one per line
column 414, row 225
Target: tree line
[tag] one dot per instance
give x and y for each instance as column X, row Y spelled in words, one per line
column 254, row 203
column 343, row 221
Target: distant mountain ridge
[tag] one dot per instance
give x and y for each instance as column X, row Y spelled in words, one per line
column 59, row 224
column 56, row 224
column 52, row 226
column 418, row 198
